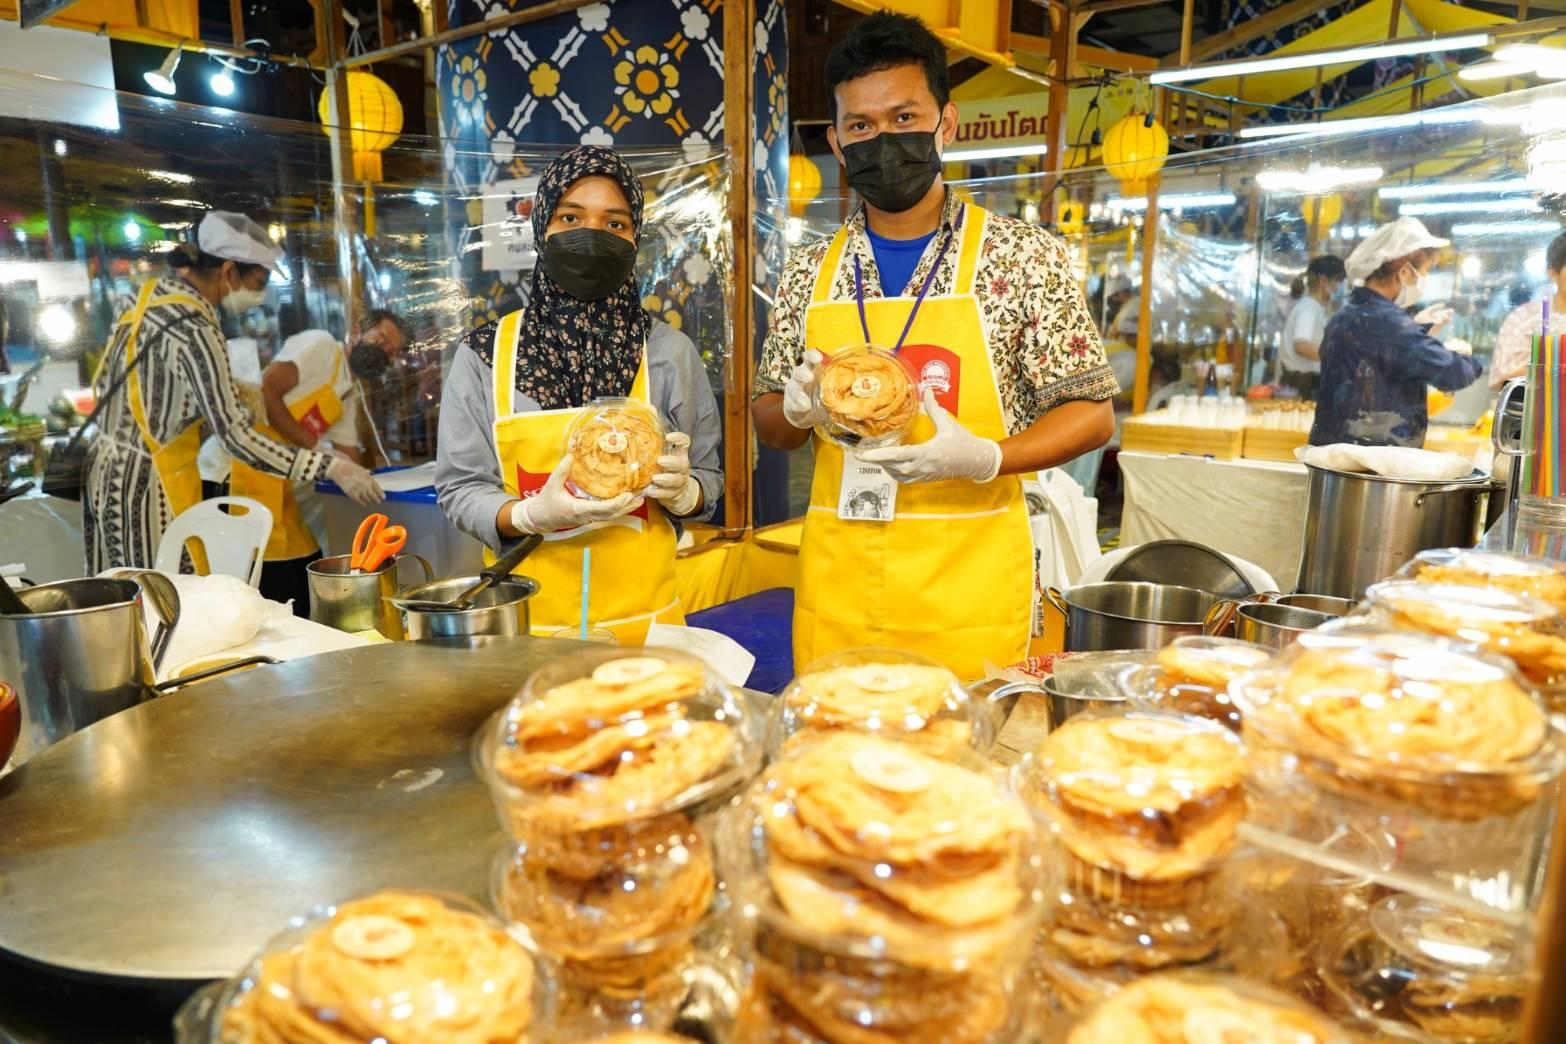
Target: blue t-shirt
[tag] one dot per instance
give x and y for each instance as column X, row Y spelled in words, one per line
column 896, row 260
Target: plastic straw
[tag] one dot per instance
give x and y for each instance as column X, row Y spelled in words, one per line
column 587, row 574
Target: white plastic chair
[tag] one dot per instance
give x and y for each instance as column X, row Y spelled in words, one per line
column 232, row 539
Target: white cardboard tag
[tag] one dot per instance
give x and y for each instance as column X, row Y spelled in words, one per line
column 867, row 493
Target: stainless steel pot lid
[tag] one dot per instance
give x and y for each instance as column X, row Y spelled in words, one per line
column 1183, row 563
column 1142, row 602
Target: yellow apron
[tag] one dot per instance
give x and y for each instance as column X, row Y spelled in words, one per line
column 291, row 538
column 175, row 460
column 632, row 580
column 951, row 576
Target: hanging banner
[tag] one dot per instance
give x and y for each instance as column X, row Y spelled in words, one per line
column 508, row 225
column 994, row 122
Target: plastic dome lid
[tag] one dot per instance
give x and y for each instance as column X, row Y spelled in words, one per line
column 1442, row 937
column 887, row 692
column 1156, row 797
column 852, row 843
column 608, row 736
column 614, row 445
column 1528, row 630
column 1483, row 563
column 411, row 967
column 865, row 397
column 1187, row 1008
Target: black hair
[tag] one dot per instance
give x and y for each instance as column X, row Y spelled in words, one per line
column 377, row 316
column 188, row 255
column 884, row 41
column 1394, row 266
column 1323, row 267
column 1555, row 255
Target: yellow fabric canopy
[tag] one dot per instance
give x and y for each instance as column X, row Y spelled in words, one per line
column 173, row 17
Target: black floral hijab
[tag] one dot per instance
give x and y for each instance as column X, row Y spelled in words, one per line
column 572, row 351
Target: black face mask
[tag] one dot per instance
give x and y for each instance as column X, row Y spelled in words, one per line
column 893, row 171
column 367, row 361
column 588, row 263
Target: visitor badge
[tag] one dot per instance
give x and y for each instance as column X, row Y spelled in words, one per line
column 867, row 492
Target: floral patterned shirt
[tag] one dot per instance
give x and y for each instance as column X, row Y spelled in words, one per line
column 1044, row 347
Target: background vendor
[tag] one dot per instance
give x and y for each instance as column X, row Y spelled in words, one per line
column 1299, row 354
column 515, row 387
column 312, row 401
column 990, row 318
column 1377, row 361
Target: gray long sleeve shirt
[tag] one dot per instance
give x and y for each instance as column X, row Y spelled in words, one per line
column 467, row 471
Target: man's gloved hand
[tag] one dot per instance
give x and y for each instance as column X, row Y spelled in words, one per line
column 673, row 485
column 355, row 481
column 953, row 453
column 799, row 404
column 553, row 508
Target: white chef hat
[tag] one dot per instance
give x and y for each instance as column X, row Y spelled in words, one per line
column 234, row 237
column 1388, row 243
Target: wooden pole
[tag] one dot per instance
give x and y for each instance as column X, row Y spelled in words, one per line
column 332, row 40
column 739, row 59
column 1144, row 313
column 1397, row 12
column 1056, row 130
column 1544, row 1003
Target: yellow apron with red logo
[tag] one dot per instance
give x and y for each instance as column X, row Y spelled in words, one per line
column 175, row 460
column 951, row 576
column 291, row 538
column 632, row 582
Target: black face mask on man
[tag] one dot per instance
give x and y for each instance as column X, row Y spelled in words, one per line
column 588, row 263
column 368, row 361
column 892, row 172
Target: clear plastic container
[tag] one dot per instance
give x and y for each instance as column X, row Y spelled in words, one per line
column 1434, row 743
column 866, row 398
column 1146, row 805
column 1191, row 675
column 1189, row 1008
column 1528, row 631
column 1419, row 966
column 607, row 771
column 416, row 968
column 614, row 446
column 882, row 891
column 1541, row 578
column 887, row 692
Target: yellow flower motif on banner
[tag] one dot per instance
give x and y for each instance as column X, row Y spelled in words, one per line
column 468, row 84
column 664, row 310
column 544, row 79
column 777, row 105
column 648, row 82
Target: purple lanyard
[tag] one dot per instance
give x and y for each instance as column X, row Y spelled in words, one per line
column 859, row 287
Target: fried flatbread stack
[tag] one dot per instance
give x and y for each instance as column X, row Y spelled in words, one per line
column 869, row 393
column 1166, row 1009
column 1524, row 630
column 394, row 966
column 906, row 701
column 1194, row 677
column 616, row 451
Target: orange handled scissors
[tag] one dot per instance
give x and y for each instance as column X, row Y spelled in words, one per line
column 375, row 542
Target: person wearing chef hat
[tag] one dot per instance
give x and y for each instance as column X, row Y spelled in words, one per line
column 1377, row 361
column 142, row 466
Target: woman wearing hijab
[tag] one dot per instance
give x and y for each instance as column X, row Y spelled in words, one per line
column 516, row 385
column 142, row 466
column 1377, row 361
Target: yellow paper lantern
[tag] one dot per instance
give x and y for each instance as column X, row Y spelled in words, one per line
column 1134, row 151
column 1322, row 211
column 374, row 121
column 804, row 183
column 1068, row 217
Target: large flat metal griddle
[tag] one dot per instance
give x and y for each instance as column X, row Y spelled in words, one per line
column 171, row 841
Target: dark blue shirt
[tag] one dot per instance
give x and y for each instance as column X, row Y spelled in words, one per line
column 1375, row 365
column 896, row 260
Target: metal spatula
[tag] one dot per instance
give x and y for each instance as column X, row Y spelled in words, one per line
column 502, row 568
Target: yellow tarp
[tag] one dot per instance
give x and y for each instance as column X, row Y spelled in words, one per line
column 1363, row 25
column 177, row 17
column 721, row 571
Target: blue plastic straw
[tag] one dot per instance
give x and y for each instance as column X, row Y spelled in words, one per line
column 587, row 573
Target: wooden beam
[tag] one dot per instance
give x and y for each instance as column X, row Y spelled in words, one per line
column 1087, row 55
column 383, row 18
column 1055, row 129
column 1397, row 12
column 1106, row 6
column 1187, row 24
column 236, row 21
column 1251, row 29
column 489, row 25
column 739, row 135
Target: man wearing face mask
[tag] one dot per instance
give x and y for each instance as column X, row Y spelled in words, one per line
column 169, row 346
column 987, row 314
column 1378, row 361
column 312, row 395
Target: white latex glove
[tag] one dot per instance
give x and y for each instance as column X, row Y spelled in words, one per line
column 553, row 508
column 673, row 485
column 1460, row 346
column 953, row 453
column 799, row 405
column 1436, row 316
column 355, row 481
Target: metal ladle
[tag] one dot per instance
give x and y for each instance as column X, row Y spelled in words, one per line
column 503, row 567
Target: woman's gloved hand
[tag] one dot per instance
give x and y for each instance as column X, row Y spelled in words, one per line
column 799, row 394
column 355, row 481
column 553, row 508
column 673, row 486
